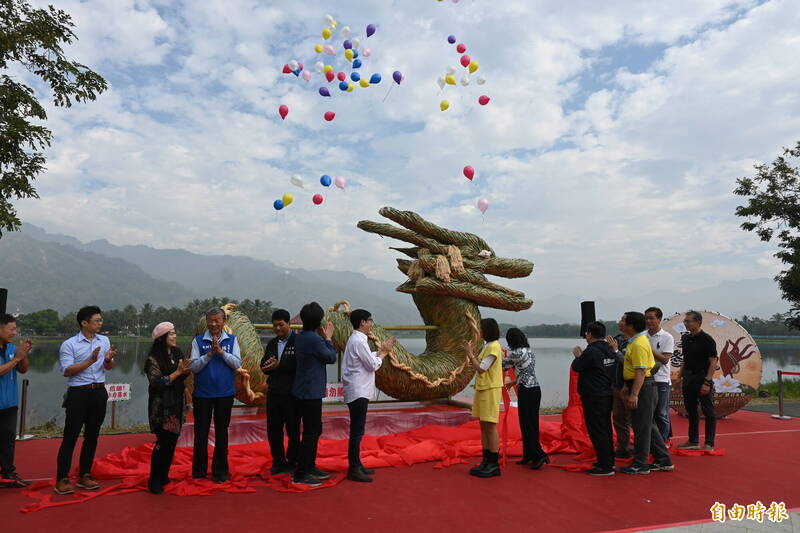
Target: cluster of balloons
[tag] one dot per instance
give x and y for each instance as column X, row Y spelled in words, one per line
column 449, row 78
column 317, row 199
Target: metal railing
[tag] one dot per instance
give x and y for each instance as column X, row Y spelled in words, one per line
column 781, row 373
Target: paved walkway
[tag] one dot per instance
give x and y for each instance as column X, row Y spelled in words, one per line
column 792, row 525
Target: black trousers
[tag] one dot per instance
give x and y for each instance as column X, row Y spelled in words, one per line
column 282, row 413
column 358, row 421
column 597, row 414
column 204, row 410
column 528, row 401
column 161, row 459
column 646, row 436
column 8, row 424
column 691, row 397
column 86, row 409
column 310, row 412
column 621, row 419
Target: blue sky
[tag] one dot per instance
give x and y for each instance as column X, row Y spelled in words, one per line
column 608, row 152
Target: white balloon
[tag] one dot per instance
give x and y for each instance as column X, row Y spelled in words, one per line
column 440, row 81
column 319, row 66
column 481, row 80
column 450, row 70
column 345, row 31
column 356, row 43
column 293, row 64
column 328, row 19
column 464, row 80
column 296, row 180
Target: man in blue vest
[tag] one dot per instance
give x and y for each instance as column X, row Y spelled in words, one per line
column 215, row 358
column 13, row 359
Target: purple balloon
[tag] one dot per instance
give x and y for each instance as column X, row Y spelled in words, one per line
column 323, row 91
column 347, row 44
column 370, row 29
column 451, row 39
column 397, row 76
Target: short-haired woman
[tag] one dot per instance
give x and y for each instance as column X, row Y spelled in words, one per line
column 488, row 391
column 529, row 396
column 166, row 369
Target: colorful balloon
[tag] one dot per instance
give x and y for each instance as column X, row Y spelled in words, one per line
column 348, row 54
column 355, row 76
column 465, row 61
column 317, row 199
column 340, row 182
column 297, row 181
column 364, row 82
column 451, row 70
column 440, row 82
column 343, row 85
column 328, row 19
column 397, row 76
column 288, row 198
column 283, row 111
column 444, row 105
column 326, row 33
column 481, row 80
column 356, row 43
column 318, row 66
column 450, row 79
column 356, row 63
column 473, row 66
column 306, row 75
column 278, row 205
column 345, row 31
column 329, row 76
column 483, row 204
column 328, row 68
column 341, row 76
column 325, row 180
column 461, row 48
column 367, row 52
column 347, row 44
column 286, row 69
column 469, row 172
column 483, row 99
column 355, row 53
column 329, row 115
column 375, row 79
column 293, row 65
column 370, row 30
column 350, row 87
column 323, row 91
column 329, row 50
column 451, row 39
column 296, row 72
column 318, row 48
column 464, row 80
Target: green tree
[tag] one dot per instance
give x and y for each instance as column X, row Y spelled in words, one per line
column 32, row 39
column 41, row 321
column 773, row 211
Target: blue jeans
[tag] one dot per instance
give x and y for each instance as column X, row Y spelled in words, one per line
column 661, row 416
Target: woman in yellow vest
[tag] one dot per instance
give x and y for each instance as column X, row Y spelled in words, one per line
column 488, row 389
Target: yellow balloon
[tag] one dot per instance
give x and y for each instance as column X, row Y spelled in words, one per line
column 349, row 54
column 326, row 33
column 450, row 79
column 334, row 23
column 327, row 68
column 350, row 87
column 287, row 199
column 318, row 48
column 364, row 82
column 473, row 66
column 443, row 105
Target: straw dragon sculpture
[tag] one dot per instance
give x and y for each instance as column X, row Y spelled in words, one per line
column 446, row 279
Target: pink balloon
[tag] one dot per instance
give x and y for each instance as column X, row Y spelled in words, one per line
column 329, row 115
column 483, row 99
column 367, row 52
column 340, row 182
column 317, row 199
column 306, row 75
column 328, row 49
column 465, row 60
column 283, row 111
column 469, row 172
column 461, row 48
column 483, row 204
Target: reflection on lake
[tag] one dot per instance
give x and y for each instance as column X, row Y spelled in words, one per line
column 553, row 357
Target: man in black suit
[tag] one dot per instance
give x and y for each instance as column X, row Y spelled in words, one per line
column 279, row 365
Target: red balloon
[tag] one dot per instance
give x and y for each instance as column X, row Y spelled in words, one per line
column 461, row 48
column 465, row 60
column 483, row 99
column 300, row 66
column 286, row 69
column 317, row 199
column 342, row 76
column 329, row 115
column 469, row 172
column 329, row 75
column 283, row 111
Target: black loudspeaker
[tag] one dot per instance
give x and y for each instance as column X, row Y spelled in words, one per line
column 3, row 300
column 587, row 316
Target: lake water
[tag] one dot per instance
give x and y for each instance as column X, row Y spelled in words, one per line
column 553, row 357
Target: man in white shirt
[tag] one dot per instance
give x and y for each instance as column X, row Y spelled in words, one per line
column 663, row 344
column 359, row 365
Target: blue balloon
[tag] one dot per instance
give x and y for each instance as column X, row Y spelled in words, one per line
column 278, row 205
column 343, row 85
column 376, row 78
column 323, row 91
column 297, row 72
column 355, row 52
column 356, row 63
column 451, row 39
column 325, row 180
column 355, row 76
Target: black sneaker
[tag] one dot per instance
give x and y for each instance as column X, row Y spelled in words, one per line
column 358, row 475
column 636, row 469
column 221, row 478
column 320, row 474
column 597, row 471
column 367, row 471
column 284, row 468
column 13, row 481
column 306, row 479
column 661, row 467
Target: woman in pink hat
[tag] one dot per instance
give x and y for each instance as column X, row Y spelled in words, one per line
column 166, row 369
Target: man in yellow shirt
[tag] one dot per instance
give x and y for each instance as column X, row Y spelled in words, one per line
column 641, row 398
